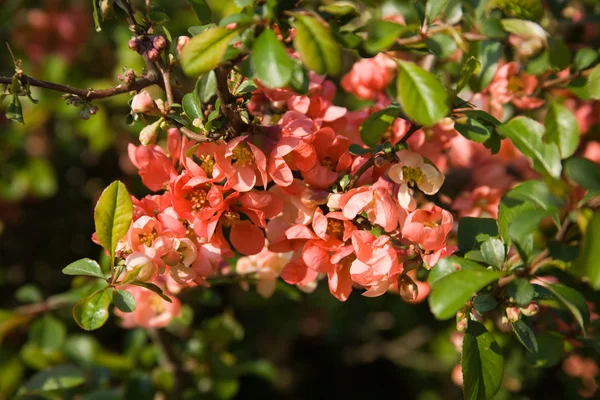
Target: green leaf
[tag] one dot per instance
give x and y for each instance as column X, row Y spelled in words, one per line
column 521, row 292
column 587, row 265
column 191, row 106
column 527, row 136
column 470, row 67
column 526, row 224
column 339, row 8
column 96, row 16
column 584, row 58
column 56, row 378
column 449, row 265
column 201, row 9
column 421, row 94
column 488, row 53
column 91, row 312
column 270, row 60
column 493, row 252
column 538, row 193
column 525, row 335
column 29, row 293
column 206, row 87
column 524, row 28
column 450, row 293
column 381, row 35
column 559, row 54
column 152, row 287
column 573, row 301
column 85, row 266
column 583, row 172
column 205, row 51
column 562, row 129
column 14, row 111
column 124, row 301
column 358, row 150
column 300, row 79
column 482, row 363
column 508, row 213
column 484, row 303
column 594, row 83
column 48, row 333
column 373, row 128
column 474, row 130
column 442, row 45
column 550, row 350
column 317, row 48
column 433, row 8
column 113, row 215
column 469, row 228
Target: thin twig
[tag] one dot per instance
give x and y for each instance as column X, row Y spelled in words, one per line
column 87, row 94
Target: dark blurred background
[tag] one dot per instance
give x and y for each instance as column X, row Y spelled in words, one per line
column 292, row 346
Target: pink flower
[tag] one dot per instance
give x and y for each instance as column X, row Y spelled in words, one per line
column 592, row 151
column 151, row 310
column 155, row 168
column 481, row 201
column 266, row 267
column 510, row 86
column 376, row 201
column 290, row 154
column 332, row 158
column 369, row 77
column 376, row 264
column 244, row 164
column 428, row 228
column 412, row 170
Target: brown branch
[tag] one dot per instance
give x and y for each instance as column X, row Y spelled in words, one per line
column 87, row 94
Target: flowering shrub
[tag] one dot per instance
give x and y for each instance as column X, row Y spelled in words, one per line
column 464, row 170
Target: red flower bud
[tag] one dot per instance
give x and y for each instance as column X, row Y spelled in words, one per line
column 134, row 44
column 531, row 310
column 513, row 314
column 181, row 42
column 153, row 54
column 159, row 42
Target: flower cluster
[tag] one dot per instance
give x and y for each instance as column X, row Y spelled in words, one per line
column 277, row 198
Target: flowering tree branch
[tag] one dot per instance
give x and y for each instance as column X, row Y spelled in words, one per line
column 87, row 94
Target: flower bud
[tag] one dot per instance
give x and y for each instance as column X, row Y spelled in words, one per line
column 531, row 310
column 461, row 325
column 159, row 42
column 143, row 103
column 409, row 291
column 149, row 133
column 133, row 44
column 181, row 42
column 153, row 54
column 140, row 267
column 513, row 314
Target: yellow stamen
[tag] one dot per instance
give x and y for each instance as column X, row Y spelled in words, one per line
column 335, row 227
column 147, row 238
column 229, row 218
column 242, row 155
column 198, row 198
column 207, row 164
column 515, row 85
column 412, row 176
